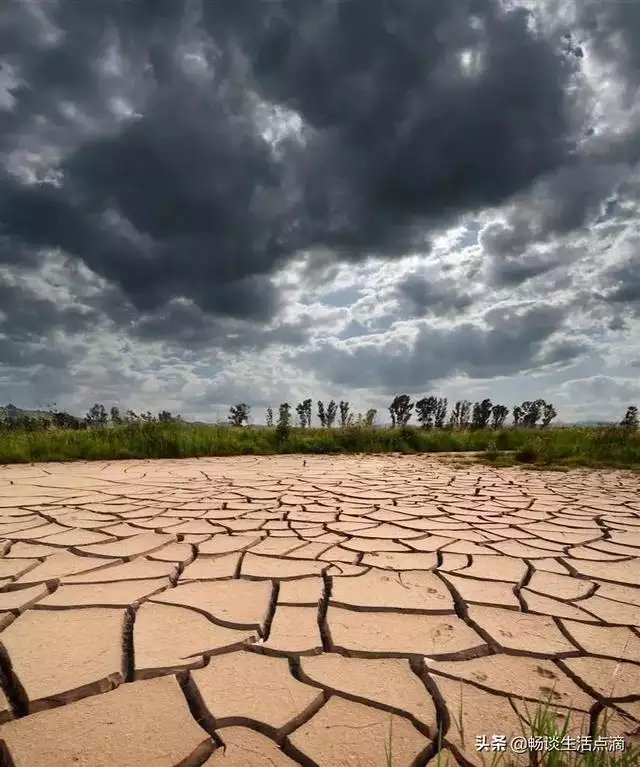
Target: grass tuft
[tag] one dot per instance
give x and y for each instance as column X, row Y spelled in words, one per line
column 541, row 724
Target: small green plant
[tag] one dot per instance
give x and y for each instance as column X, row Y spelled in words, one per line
column 541, row 725
column 492, row 452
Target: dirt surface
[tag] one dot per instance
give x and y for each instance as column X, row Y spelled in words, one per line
column 288, row 610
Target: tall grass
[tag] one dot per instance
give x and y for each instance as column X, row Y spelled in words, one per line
column 587, row 446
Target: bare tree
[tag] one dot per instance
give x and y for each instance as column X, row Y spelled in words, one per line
column 344, row 413
column 239, row 414
column 401, row 409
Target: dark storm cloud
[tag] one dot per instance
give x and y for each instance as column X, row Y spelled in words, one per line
column 188, row 199
column 29, row 317
column 423, row 295
column 613, row 29
column 622, row 285
column 512, row 260
column 191, row 328
column 603, row 171
column 513, row 341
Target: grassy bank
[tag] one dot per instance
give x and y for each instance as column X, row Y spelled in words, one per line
column 580, row 446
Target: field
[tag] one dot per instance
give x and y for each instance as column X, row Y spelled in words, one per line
column 615, row 447
column 322, row 610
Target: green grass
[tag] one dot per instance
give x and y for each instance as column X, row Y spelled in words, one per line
column 547, row 448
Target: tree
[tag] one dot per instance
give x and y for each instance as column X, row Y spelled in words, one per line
column 531, row 412
column 147, row 417
column 548, row 414
column 401, row 409
column 269, row 416
column 517, row 415
column 239, row 414
column 322, row 415
column 344, row 413
column 370, row 418
column 499, row 415
column 97, row 416
column 303, row 409
column 130, row 417
column 116, row 418
column 283, row 427
column 630, row 419
column 63, row 420
column 481, row 414
column 440, row 413
column 332, row 412
column 465, row 414
column 426, row 410
column 454, row 418
column 308, row 409
column 164, row 416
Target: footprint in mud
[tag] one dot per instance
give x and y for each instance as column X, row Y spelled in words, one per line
column 507, row 634
column 479, row 676
column 545, row 673
column 438, row 632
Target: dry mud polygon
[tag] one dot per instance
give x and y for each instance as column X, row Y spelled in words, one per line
column 287, row 610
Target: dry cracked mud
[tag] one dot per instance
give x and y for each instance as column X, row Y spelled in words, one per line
column 287, row 610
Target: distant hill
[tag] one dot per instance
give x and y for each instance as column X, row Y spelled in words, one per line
column 11, row 412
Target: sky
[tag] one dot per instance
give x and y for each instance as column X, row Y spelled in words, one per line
column 260, row 201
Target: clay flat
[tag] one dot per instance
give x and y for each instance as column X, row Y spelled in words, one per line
column 286, row 610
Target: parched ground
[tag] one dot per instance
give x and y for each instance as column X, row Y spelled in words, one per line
column 286, row 610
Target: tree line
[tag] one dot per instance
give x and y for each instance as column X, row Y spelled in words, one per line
column 430, row 412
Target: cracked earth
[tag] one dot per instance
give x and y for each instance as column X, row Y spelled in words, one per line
column 281, row 611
